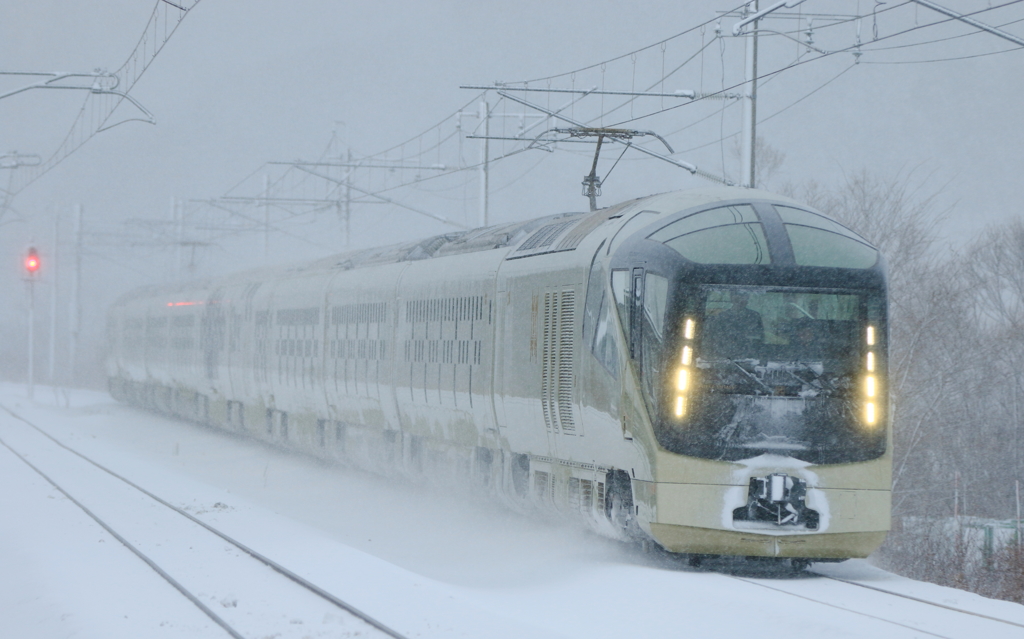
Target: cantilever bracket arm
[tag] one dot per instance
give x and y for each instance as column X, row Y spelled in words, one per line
column 974, row 23
column 388, row 200
column 57, row 76
column 96, row 87
column 789, row 4
column 149, row 119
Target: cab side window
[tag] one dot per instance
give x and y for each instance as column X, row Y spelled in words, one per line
column 620, row 288
column 598, row 324
column 651, row 340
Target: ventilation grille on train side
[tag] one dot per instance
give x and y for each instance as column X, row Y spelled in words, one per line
column 557, row 361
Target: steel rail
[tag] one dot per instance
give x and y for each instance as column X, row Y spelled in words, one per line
column 837, row 607
column 270, row 563
column 138, row 553
column 919, row 600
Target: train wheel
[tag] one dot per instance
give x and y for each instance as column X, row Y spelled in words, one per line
column 799, row 565
column 619, row 512
column 619, row 502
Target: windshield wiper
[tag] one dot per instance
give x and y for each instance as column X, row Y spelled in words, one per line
column 753, row 377
column 817, row 380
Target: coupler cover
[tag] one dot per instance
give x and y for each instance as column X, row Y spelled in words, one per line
column 778, row 499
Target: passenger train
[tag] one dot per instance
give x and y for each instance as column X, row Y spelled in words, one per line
column 702, row 369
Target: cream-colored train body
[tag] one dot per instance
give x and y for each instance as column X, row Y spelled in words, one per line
column 545, row 361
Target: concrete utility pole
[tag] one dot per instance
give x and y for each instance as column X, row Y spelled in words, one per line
column 266, row 218
column 747, row 177
column 52, row 369
column 179, row 235
column 752, row 15
column 76, row 305
column 31, row 330
column 485, row 120
column 32, row 263
column 348, row 199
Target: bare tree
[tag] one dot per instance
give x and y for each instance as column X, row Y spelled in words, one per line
column 956, row 361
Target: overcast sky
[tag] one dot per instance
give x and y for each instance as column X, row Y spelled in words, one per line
column 242, row 83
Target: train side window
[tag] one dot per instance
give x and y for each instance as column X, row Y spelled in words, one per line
column 733, row 244
column 595, row 295
column 635, row 223
column 792, row 215
column 620, row 288
column 597, row 321
column 604, row 347
column 650, row 340
column 722, row 216
column 815, row 247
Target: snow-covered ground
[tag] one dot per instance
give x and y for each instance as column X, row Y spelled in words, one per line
column 423, row 563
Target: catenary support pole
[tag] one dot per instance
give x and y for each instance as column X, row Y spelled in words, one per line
column 749, row 105
column 76, row 305
column 52, row 359
column 348, row 199
column 179, row 233
column 31, row 335
column 266, row 218
column 485, row 119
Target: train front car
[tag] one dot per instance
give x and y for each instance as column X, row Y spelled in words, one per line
column 756, row 330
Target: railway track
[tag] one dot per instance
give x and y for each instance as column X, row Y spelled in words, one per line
column 946, row 627
column 237, row 622
column 860, row 608
column 921, row 616
column 923, row 601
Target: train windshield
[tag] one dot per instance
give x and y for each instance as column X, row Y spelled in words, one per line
column 748, row 371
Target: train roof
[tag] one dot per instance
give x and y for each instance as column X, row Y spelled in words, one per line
column 522, row 233
column 523, row 239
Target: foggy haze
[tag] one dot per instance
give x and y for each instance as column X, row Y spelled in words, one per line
column 241, row 84
column 285, row 132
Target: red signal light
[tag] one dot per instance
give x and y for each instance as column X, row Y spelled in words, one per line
column 32, row 261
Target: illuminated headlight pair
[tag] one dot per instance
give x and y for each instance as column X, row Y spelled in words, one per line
column 683, row 381
column 870, row 381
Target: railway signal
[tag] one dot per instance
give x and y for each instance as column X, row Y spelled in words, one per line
column 32, row 262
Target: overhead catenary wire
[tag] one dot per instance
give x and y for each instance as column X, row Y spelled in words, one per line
column 776, row 113
column 447, row 133
column 100, row 105
column 799, row 63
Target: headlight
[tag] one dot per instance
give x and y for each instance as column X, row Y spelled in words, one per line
column 870, row 381
column 682, row 380
column 683, row 375
column 680, row 406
